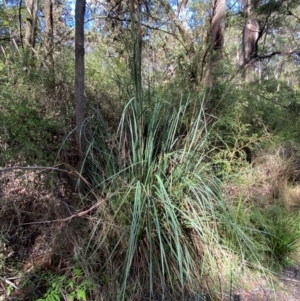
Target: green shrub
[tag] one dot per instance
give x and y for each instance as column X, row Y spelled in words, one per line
column 28, row 135
column 72, row 286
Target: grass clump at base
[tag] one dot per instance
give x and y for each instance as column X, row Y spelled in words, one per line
column 281, row 231
column 263, row 199
column 273, row 229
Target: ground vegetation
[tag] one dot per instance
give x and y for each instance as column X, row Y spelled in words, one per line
column 149, row 150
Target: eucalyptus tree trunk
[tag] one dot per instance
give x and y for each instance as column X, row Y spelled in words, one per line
column 181, row 8
column 216, row 41
column 31, row 23
column 137, row 36
column 217, row 27
column 249, row 38
column 79, row 77
column 48, row 41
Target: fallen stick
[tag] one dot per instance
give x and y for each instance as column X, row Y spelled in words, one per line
column 289, row 279
column 67, row 219
column 9, row 282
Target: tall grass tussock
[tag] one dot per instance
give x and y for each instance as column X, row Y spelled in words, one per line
column 165, row 232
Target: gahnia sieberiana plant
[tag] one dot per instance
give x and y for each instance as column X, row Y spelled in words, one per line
column 165, row 227
column 163, row 231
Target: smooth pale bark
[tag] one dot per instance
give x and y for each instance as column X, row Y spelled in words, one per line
column 48, row 42
column 79, row 76
column 216, row 43
column 247, row 6
column 249, row 43
column 218, row 24
column 181, row 8
column 31, row 23
column 250, row 37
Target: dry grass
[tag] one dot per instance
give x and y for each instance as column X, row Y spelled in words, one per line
column 273, row 177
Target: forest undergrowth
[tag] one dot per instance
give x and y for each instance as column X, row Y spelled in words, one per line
column 183, row 180
column 155, row 219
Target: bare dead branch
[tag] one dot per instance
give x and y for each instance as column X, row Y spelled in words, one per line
column 286, row 53
column 7, row 281
column 158, row 28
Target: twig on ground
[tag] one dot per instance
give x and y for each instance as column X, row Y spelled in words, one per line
column 9, row 282
column 67, row 219
column 289, row 279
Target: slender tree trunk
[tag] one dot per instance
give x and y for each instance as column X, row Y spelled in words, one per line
column 49, row 43
column 30, row 32
column 218, row 25
column 249, row 38
column 20, row 23
column 48, row 12
column 185, row 35
column 217, row 33
column 137, row 36
column 31, row 23
column 181, row 7
column 79, row 76
column 187, row 39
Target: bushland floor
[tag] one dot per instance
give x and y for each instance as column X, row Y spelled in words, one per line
column 38, row 236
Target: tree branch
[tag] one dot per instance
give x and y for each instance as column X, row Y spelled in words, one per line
column 290, row 13
column 287, row 53
column 142, row 24
column 187, row 39
column 69, row 218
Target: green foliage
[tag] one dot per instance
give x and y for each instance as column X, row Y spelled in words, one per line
column 9, row 290
column 165, row 205
column 251, row 116
column 108, row 73
column 233, row 139
column 281, row 231
column 164, row 227
column 74, row 286
column 31, row 123
column 28, row 136
column 274, row 231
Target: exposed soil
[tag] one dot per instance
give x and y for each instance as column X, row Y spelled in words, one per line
column 291, row 278
column 286, row 288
